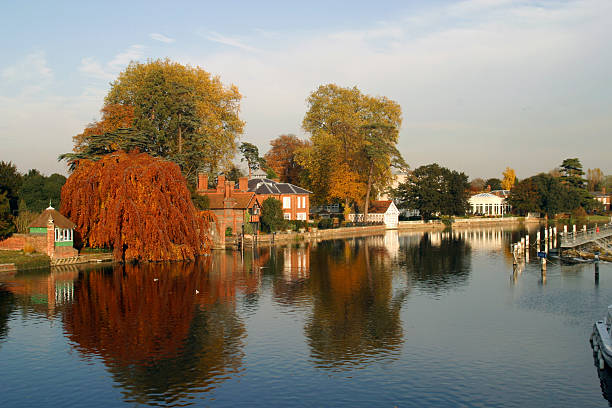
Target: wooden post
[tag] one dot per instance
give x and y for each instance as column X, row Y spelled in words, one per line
column 574, row 229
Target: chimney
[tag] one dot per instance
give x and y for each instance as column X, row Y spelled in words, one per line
column 229, row 188
column 202, row 181
column 243, row 183
column 220, row 184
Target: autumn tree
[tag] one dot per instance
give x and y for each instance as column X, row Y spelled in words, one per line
column 477, row 185
column 509, row 178
column 379, row 154
column 595, row 179
column 282, row 158
column 137, row 205
column 337, row 120
column 188, row 116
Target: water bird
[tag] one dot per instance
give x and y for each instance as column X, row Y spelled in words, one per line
column 197, row 291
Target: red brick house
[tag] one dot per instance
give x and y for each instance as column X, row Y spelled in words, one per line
column 230, row 203
column 295, row 201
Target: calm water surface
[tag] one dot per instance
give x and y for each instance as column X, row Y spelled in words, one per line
column 406, row 320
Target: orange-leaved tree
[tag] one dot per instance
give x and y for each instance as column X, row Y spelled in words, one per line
column 281, row 158
column 137, row 205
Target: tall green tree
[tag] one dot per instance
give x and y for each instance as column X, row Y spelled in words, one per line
column 494, row 183
column 271, row 215
column 7, row 227
column 250, row 154
column 572, row 173
column 38, row 191
column 10, row 182
column 433, row 189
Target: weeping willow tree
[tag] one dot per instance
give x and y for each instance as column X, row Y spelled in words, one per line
column 137, row 205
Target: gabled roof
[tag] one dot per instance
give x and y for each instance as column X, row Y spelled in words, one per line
column 242, row 200
column 379, row 207
column 58, row 219
column 267, row 186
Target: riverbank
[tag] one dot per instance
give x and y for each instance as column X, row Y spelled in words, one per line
column 284, row 237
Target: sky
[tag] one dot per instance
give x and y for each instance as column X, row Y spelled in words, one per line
column 483, row 84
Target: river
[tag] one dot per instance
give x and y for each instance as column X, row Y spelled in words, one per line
column 411, row 319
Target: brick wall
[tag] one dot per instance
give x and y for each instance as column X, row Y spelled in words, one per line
column 16, row 242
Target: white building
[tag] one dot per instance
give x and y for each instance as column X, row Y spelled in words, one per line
column 488, row 204
column 380, row 211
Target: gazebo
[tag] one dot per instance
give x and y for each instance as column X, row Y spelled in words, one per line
column 488, row 204
column 59, row 232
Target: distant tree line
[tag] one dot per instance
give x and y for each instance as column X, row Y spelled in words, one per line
column 23, row 196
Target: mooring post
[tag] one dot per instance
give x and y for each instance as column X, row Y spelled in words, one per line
column 564, row 230
column 597, row 267
column 574, row 229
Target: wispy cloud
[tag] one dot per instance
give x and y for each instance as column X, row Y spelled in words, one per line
column 31, row 68
column 462, row 72
column 133, row 53
column 231, row 41
column 94, row 69
column 161, row 37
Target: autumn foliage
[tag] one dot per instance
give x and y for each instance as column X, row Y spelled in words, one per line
column 137, row 205
column 113, row 117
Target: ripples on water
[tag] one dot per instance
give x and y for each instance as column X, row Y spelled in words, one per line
column 410, row 319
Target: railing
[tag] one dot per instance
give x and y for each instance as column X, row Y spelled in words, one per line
column 581, row 237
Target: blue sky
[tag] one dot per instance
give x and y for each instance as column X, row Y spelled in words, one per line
column 483, row 84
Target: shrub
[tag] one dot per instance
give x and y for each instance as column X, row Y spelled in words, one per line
column 28, row 248
column 228, row 232
column 325, row 223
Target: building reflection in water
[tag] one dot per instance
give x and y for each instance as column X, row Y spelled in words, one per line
column 165, row 331
column 43, row 292
column 355, row 315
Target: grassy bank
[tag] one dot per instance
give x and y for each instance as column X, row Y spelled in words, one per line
column 24, row 261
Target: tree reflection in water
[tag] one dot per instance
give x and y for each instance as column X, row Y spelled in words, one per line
column 440, row 262
column 6, row 308
column 161, row 340
column 355, row 317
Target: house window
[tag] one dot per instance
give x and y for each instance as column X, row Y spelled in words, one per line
column 287, row 216
column 301, row 216
column 286, row 202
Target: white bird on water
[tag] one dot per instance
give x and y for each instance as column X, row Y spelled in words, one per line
column 197, row 291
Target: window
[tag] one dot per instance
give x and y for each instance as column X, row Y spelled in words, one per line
column 287, row 216
column 301, row 216
column 286, row 202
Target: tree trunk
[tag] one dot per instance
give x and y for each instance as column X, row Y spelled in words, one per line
column 180, row 136
column 367, row 197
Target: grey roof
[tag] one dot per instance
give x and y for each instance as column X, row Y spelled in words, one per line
column 267, row 186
